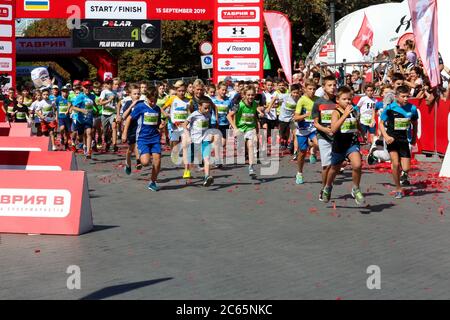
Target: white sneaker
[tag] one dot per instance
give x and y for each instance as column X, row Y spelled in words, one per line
column 54, row 148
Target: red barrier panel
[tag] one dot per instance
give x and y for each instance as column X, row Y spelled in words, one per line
column 14, row 129
column 2, row 114
column 38, row 161
column 443, row 121
column 425, row 132
column 45, row 202
column 25, row 144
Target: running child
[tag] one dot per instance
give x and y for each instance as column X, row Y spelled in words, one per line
column 306, row 131
column 8, row 105
column 64, row 121
column 243, row 120
column 46, row 111
column 21, row 111
column 108, row 100
column 321, row 113
column 366, row 107
column 148, row 138
column 396, row 120
column 197, row 124
column 287, row 111
column 345, row 128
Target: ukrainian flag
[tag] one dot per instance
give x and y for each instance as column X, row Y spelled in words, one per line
column 37, row 5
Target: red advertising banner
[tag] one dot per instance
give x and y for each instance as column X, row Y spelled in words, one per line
column 238, row 39
column 44, row 202
column 124, row 9
column 38, row 160
column 7, row 43
column 10, row 129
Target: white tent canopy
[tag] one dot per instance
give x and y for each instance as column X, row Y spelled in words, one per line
column 390, row 21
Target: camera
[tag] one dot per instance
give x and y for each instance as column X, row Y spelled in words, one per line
column 149, row 33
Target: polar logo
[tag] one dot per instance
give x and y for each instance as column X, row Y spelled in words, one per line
column 35, row 203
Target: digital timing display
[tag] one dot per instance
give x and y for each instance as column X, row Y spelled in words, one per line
column 122, row 33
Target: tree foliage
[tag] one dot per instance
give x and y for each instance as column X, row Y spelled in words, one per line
column 180, row 56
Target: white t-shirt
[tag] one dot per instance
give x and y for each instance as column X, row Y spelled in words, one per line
column 272, row 114
column 320, row 92
column 198, row 125
column 287, row 109
column 366, row 107
column 47, row 108
column 110, row 108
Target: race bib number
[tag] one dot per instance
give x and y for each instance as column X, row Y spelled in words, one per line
column 291, row 107
column 20, row 115
column 47, row 109
column 349, row 126
column 10, row 109
column 151, row 119
column 180, row 116
column 63, row 109
column 109, row 110
column 325, row 116
column 222, row 109
column 202, row 124
column 248, row 118
column 366, row 119
column 402, row 123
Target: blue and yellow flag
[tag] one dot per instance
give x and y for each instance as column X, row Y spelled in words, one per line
column 37, row 5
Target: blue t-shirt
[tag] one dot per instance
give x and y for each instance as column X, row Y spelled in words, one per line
column 148, row 120
column 63, row 106
column 379, row 105
column 223, row 107
column 397, row 119
column 83, row 101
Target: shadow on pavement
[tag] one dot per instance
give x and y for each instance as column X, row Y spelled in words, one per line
column 98, row 228
column 122, row 288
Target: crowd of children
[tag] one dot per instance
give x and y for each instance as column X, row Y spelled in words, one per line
column 195, row 120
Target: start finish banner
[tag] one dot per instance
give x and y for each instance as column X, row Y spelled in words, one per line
column 130, row 9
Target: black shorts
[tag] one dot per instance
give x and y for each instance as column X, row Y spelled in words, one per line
column 285, row 129
column 401, row 147
column 223, row 130
column 271, row 124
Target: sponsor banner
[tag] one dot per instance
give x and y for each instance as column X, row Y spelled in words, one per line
column 44, row 202
column 239, row 14
column 5, row 30
column 236, row 22
column 6, row 64
column 6, row 47
column 239, row 48
column 38, row 160
column 239, row 65
column 130, row 34
column 44, row 46
column 25, row 143
column 131, row 9
column 239, row 32
column 6, row 11
column 115, row 10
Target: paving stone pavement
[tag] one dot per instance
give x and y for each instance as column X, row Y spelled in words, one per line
column 240, row 239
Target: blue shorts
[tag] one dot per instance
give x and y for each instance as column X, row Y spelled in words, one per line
column 86, row 124
column 366, row 129
column 73, row 126
column 205, row 148
column 65, row 122
column 148, row 148
column 303, row 141
column 338, row 158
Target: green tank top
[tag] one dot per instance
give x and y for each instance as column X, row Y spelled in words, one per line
column 246, row 116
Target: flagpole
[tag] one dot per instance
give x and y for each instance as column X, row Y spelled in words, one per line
column 332, row 26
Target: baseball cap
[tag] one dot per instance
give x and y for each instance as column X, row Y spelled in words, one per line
column 76, row 82
column 86, row 83
column 65, row 88
column 55, row 87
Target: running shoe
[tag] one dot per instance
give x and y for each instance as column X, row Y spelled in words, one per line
column 138, row 166
column 54, row 148
column 404, row 179
column 115, row 148
column 398, row 195
column 127, row 170
column 208, row 181
column 299, row 178
column 371, row 160
column 312, row 159
column 80, row 146
column 187, row 174
column 153, row 187
column 251, row 171
column 321, row 195
column 85, row 149
column 295, row 157
column 359, row 198
column 108, row 145
column 326, row 194
column 99, row 146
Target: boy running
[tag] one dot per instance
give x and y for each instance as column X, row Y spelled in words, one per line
column 21, row 110
column 62, row 105
column 287, row 111
column 322, row 110
column 148, row 138
column 243, row 120
column 305, row 128
column 396, row 120
column 198, row 124
column 46, row 111
column 345, row 128
column 366, row 107
column 108, row 100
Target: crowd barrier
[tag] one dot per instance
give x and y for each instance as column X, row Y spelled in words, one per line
column 41, row 192
column 14, row 129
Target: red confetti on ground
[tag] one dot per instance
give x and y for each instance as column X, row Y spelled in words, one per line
column 441, row 211
column 338, row 298
column 334, row 205
column 309, row 196
column 313, row 210
column 37, row 251
column 230, row 190
column 260, row 202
